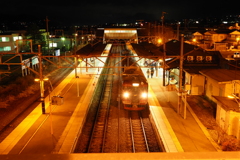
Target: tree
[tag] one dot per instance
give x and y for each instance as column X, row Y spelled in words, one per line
column 36, row 35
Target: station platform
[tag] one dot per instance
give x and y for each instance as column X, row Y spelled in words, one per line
column 189, row 134
column 55, row 132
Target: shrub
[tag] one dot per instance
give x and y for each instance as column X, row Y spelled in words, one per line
column 230, row 143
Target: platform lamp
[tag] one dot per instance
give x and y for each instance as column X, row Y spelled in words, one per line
column 41, row 81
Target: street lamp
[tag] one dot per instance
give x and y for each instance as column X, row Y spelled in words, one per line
column 63, row 44
column 159, row 41
column 237, row 39
column 41, row 81
column 63, row 38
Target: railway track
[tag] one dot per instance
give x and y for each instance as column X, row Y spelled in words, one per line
column 138, row 135
column 96, row 144
column 108, row 127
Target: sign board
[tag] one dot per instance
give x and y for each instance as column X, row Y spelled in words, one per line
column 57, row 52
column 26, row 63
column 35, row 60
column 57, row 100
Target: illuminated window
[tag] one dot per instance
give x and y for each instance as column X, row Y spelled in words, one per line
column 6, row 48
column 52, row 44
column 4, row 39
column 16, row 38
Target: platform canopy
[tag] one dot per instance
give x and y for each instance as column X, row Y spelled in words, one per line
column 120, row 34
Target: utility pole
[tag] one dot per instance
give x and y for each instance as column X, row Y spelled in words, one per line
column 41, row 80
column 178, row 24
column 164, row 49
column 47, row 33
column 180, row 76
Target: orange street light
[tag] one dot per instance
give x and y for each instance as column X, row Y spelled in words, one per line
column 237, row 39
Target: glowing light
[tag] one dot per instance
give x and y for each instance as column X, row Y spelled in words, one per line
column 135, row 84
column 126, row 94
column 144, row 95
column 230, row 96
column 37, row 79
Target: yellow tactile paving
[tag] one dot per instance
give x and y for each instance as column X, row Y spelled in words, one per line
column 169, row 138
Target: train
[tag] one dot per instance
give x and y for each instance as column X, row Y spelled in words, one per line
column 134, row 85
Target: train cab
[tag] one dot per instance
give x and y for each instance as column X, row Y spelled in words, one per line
column 134, row 91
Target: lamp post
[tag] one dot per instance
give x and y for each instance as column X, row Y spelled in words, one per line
column 41, row 80
column 63, row 43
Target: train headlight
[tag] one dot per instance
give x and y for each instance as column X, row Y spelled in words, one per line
column 126, row 95
column 144, row 95
column 135, row 84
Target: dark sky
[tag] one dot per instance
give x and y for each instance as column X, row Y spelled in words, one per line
column 107, row 11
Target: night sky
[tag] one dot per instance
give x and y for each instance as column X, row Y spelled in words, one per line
column 106, row 11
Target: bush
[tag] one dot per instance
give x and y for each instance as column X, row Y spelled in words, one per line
column 21, row 87
column 230, row 143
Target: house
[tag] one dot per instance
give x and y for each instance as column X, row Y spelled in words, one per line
column 212, row 37
column 220, row 40
column 194, row 60
column 233, row 40
column 197, row 61
column 213, row 80
column 220, row 84
column 8, row 41
column 198, row 36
